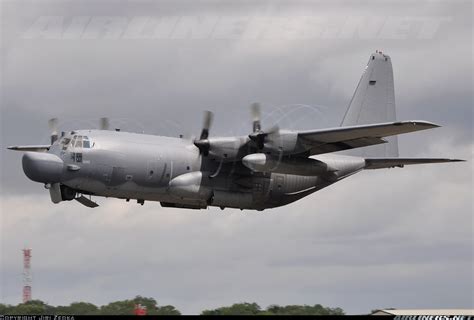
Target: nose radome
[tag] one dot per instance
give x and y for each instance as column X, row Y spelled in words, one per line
column 42, row 167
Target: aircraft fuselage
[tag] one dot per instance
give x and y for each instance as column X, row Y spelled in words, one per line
column 172, row 171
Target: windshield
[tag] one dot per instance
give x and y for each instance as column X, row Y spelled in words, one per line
column 64, row 143
column 76, row 142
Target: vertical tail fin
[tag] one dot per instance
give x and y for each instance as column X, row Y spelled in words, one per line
column 374, row 102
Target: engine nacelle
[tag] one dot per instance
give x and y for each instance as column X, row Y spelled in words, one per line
column 192, row 185
column 261, row 162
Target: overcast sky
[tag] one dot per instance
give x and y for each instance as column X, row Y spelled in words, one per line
column 398, row 238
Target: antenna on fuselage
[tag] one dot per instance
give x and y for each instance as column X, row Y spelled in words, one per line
column 104, row 123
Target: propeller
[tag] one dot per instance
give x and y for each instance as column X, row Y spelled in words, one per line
column 258, row 135
column 53, row 128
column 104, row 123
column 203, row 143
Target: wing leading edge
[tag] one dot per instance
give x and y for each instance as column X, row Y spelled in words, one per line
column 35, row 148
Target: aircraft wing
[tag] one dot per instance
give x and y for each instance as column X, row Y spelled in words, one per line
column 380, row 163
column 37, row 148
column 344, row 138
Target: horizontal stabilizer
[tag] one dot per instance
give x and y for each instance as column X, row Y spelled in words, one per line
column 381, row 163
column 35, row 148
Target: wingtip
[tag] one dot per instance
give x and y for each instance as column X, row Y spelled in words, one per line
column 427, row 124
column 430, row 124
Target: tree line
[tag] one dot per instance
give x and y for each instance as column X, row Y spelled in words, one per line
column 127, row 307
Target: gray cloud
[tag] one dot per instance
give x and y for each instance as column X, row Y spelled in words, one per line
column 394, row 238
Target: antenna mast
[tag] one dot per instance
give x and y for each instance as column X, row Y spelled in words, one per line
column 26, row 275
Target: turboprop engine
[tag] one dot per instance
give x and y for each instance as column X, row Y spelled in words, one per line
column 261, row 162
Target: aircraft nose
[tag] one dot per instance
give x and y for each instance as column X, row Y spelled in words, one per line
column 42, row 167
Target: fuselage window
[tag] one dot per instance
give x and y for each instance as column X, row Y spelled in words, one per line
column 76, row 156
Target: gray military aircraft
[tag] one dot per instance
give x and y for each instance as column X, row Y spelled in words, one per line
column 265, row 169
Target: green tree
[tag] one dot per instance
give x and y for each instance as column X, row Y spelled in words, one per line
column 127, row 307
column 149, row 303
column 317, row 309
column 78, row 308
column 32, row 307
column 337, row 311
column 166, row 311
column 244, row 308
column 124, row 307
column 5, row 308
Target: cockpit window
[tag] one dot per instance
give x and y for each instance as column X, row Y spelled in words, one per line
column 65, row 142
column 85, row 142
column 78, row 143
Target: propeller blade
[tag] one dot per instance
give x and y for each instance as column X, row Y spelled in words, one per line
column 208, row 116
column 104, row 123
column 256, row 115
column 53, row 127
column 188, row 136
column 273, row 130
column 203, row 143
column 272, row 136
